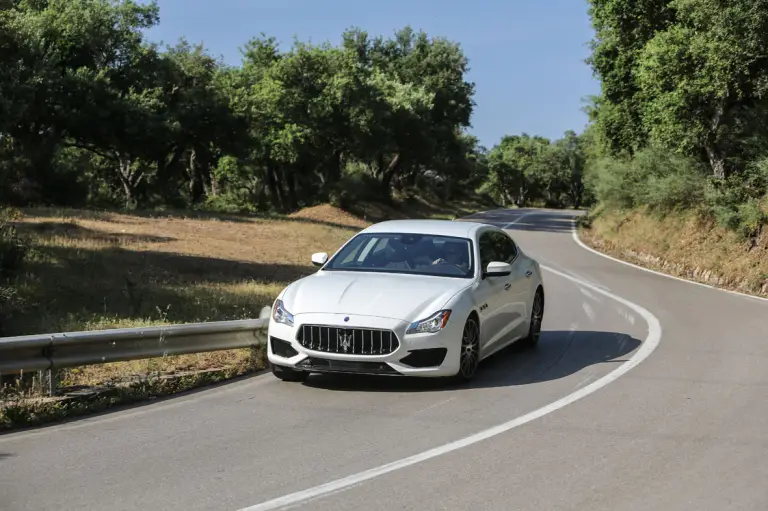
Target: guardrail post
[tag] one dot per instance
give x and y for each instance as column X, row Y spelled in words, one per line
column 49, row 381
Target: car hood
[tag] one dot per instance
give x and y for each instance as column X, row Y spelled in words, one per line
column 389, row 295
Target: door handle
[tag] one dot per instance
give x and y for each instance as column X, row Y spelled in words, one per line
column 528, row 274
column 507, row 286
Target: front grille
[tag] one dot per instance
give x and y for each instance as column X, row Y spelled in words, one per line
column 321, row 365
column 351, row 341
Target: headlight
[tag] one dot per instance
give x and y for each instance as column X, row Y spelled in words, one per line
column 430, row 325
column 280, row 315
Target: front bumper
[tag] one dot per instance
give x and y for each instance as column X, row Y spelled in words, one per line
column 424, row 355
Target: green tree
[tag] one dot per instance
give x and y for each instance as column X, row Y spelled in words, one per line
column 622, row 29
column 704, row 78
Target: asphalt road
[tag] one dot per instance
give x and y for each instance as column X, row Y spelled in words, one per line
column 685, row 428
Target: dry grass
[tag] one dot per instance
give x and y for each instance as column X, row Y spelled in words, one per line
column 97, row 270
column 92, row 270
column 686, row 245
column 116, row 373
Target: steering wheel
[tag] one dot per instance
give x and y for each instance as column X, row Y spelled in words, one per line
column 443, row 262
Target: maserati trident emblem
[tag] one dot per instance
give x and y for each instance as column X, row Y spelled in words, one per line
column 345, row 339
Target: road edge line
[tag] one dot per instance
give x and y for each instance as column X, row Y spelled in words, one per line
column 648, row 346
column 577, row 239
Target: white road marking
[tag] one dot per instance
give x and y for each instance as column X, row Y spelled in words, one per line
column 516, row 220
column 649, row 345
column 575, row 234
column 572, row 273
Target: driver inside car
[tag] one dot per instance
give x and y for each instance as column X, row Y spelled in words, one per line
column 453, row 253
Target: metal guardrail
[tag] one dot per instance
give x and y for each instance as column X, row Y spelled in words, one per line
column 48, row 352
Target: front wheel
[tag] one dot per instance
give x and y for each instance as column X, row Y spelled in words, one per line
column 288, row 374
column 469, row 357
column 537, row 316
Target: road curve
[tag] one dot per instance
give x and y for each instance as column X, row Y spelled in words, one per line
column 685, row 429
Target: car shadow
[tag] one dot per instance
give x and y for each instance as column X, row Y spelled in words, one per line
column 559, row 354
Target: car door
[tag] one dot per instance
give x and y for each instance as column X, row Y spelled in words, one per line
column 516, row 290
column 489, row 293
column 506, row 314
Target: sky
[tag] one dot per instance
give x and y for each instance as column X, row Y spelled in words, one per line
column 526, row 57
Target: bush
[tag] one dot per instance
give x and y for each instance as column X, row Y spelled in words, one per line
column 232, row 203
column 736, row 203
column 356, row 187
column 653, row 178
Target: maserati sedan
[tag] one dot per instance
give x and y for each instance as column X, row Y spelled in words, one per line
column 428, row 298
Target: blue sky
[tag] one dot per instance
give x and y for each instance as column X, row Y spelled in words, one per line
column 526, row 57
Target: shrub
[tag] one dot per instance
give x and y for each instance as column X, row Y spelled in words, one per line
column 736, row 202
column 356, row 187
column 653, row 178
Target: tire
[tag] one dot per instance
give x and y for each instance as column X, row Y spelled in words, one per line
column 469, row 356
column 288, row 374
column 537, row 316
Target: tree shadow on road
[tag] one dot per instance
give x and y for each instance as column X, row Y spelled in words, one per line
column 537, row 221
column 558, row 355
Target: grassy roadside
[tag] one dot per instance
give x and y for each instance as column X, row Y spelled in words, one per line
column 94, row 270
column 683, row 244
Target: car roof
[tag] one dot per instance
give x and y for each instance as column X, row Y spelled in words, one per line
column 437, row 227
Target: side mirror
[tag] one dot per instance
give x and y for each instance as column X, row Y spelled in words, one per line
column 319, row 258
column 498, row 269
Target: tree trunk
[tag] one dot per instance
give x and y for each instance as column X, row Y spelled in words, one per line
column 716, row 161
column 290, row 180
column 165, row 168
column 196, row 189
column 335, row 166
column 715, row 156
column 379, row 168
column 128, row 178
column 214, row 185
column 275, row 192
column 389, row 174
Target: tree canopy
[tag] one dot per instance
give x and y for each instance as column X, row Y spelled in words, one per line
column 92, row 113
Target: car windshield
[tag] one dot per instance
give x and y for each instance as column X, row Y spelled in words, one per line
column 419, row 254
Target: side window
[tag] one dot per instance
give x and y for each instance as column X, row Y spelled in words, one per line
column 487, row 250
column 508, row 248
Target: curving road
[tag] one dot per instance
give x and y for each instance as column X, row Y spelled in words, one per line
column 645, row 393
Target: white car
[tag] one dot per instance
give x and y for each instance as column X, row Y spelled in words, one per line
column 427, row 298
